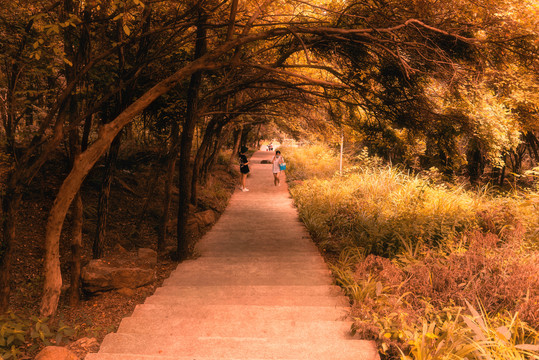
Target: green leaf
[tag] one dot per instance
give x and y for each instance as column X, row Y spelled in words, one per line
column 46, row 330
column 126, row 30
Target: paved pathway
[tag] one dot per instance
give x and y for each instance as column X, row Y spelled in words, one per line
column 260, row 290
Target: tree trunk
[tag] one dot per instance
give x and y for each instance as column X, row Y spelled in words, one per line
column 210, row 159
column 502, row 176
column 150, row 190
column 533, row 145
column 112, row 157
column 103, row 206
column 167, row 200
column 169, row 180
column 184, row 169
column 199, row 158
column 475, row 165
column 236, row 147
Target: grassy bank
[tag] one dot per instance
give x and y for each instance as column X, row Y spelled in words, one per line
column 434, row 271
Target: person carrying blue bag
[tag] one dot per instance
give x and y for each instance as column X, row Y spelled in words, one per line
column 278, row 166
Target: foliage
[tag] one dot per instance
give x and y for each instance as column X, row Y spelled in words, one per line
column 20, row 336
column 383, row 209
column 443, row 247
column 310, row 161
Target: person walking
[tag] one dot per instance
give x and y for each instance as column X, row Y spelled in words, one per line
column 277, row 163
column 244, row 168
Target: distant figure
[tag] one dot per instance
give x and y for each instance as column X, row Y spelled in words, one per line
column 244, row 168
column 270, row 147
column 277, row 162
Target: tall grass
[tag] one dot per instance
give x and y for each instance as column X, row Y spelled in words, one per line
column 312, row 161
column 413, row 254
column 383, row 210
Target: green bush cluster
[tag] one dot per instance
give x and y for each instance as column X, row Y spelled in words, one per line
column 20, row 336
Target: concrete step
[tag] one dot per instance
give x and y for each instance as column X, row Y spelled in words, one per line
column 242, row 312
column 241, row 259
column 260, row 300
column 275, row 256
column 303, row 278
column 238, row 329
column 290, row 243
column 219, row 347
column 253, row 250
column 241, row 238
column 231, row 291
column 252, row 270
column 249, row 267
column 103, row 356
column 267, row 231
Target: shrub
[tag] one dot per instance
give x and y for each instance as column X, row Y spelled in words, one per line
column 382, row 210
column 20, row 336
column 415, row 251
column 316, row 161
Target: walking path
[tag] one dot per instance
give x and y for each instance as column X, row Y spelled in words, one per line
column 259, row 290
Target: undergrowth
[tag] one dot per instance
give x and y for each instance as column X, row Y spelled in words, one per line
column 20, row 336
column 435, row 271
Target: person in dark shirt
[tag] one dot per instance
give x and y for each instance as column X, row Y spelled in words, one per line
column 244, row 168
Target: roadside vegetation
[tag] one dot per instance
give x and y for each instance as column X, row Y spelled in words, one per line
column 434, row 270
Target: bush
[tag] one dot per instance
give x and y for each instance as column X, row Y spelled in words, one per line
column 20, row 336
column 317, row 161
column 383, row 210
column 415, row 252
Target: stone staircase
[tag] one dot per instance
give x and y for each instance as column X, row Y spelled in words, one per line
column 259, row 290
